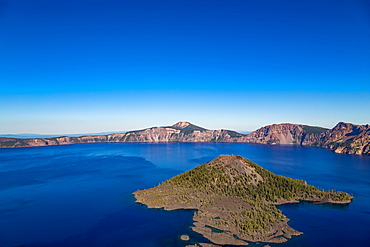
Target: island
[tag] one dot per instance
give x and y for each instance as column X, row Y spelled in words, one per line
column 235, row 200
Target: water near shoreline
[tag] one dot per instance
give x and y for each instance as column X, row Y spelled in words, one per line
column 80, row 195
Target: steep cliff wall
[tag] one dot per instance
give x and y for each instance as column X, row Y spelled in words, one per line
column 343, row 138
column 283, row 134
column 347, row 138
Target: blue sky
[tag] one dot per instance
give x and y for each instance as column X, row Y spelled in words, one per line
column 95, row 66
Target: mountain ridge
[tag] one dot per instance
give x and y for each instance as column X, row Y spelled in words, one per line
column 343, row 138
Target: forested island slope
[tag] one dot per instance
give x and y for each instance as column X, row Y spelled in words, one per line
column 343, row 138
column 235, row 199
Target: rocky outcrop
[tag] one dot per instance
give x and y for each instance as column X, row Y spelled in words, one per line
column 346, row 138
column 284, row 134
column 343, row 138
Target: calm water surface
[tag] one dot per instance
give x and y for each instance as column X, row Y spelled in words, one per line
column 81, row 195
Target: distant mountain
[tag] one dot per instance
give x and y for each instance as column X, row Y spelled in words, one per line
column 244, row 132
column 186, row 126
column 343, row 138
column 34, row 136
column 27, row 136
column 180, row 132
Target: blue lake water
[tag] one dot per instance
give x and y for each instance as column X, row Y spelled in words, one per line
column 81, row 195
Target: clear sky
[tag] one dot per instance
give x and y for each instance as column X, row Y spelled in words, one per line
column 73, row 66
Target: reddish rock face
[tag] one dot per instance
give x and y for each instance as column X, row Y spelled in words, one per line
column 347, row 138
column 343, row 138
column 277, row 134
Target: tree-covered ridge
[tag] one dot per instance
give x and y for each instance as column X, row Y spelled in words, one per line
column 260, row 184
column 314, row 129
column 237, row 197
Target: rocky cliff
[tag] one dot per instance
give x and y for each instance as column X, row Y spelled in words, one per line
column 346, row 138
column 285, row 134
column 343, row 138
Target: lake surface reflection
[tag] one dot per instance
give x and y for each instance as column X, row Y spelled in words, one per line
column 81, row 195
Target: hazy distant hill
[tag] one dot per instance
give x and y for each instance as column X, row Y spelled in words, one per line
column 27, row 136
column 34, row 136
column 343, row 138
